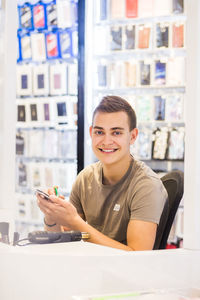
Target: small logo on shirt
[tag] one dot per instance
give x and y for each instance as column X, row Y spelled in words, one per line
column 116, row 207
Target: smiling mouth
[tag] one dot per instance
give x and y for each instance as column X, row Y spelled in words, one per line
column 107, row 150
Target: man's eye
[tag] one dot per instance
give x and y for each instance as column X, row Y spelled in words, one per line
column 117, row 133
column 98, row 132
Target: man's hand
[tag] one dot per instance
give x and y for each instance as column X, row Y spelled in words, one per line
column 62, row 211
column 58, row 210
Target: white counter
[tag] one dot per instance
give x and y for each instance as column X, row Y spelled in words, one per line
column 59, row 271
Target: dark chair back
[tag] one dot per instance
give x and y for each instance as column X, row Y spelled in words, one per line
column 173, row 182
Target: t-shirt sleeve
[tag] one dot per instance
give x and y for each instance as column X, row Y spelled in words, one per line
column 75, row 195
column 148, row 202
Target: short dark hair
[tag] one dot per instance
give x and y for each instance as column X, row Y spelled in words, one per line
column 110, row 104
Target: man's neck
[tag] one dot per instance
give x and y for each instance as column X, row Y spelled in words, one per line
column 113, row 173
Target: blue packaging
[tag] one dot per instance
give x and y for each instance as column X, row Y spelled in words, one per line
column 74, row 39
column 19, row 56
column 52, row 45
column 25, row 49
column 51, row 12
column 39, row 16
column 25, row 16
column 65, row 38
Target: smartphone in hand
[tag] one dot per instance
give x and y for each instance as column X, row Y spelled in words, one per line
column 43, row 194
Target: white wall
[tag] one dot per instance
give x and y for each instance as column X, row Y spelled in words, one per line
column 192, row 142
column 8, row 54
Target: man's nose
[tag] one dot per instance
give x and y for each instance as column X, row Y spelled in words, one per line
column 107, row 139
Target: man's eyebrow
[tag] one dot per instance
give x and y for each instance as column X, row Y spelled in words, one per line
column 97, row 127
column 113, row 128
column 117, row 128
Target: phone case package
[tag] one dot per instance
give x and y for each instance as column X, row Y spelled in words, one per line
column 130, row 73
column 67, row 144
column 145, row 8
column 51, row 10
column 142, row 149
column 144, row 36
column 61, row 109
column 38, row 47
column 160, row 143
column 144, row 108
column 21, row 142
column 35, row 147
column 117, row 9
column 176, row 144
column 65, row 38
column 116, row 38
column 174, row 108
column 58, row 79
column 21, row 174
column 61, row 171
column 66, row 13
column 22, row 113
column 145, row 142
column 49, row 175
column 24, row 80
column 145, row 73
column 35, row 175
column 131, row 8
column 39, row 16
column 22, row 207
column 162, row 8
column 160, row 72
column 33, row 111
column 25, row 16
column 162, row 35
column 101, row 75
column 42, row 122
column 116, row 75
column 178, row 6
column 159, row 108
column 50, row 144
column 129, row 37
column 178, row 35
column 41, row 80
column 25, row 46
column 176, row 71
column 52, row 45
column 47, row 111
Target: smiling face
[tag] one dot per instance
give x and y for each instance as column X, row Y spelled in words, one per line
column 111, row 137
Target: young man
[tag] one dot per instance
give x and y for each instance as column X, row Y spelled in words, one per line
column 117, row 200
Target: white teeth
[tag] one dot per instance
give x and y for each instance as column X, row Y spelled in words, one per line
column 107, row 150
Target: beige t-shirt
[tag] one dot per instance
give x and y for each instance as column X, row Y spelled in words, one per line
column 139, row 195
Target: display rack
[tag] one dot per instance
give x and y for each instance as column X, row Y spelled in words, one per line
column 139, row 53
column 47, row 100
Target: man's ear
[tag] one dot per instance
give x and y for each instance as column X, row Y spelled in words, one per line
column 90, row 130
column 134, row 134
